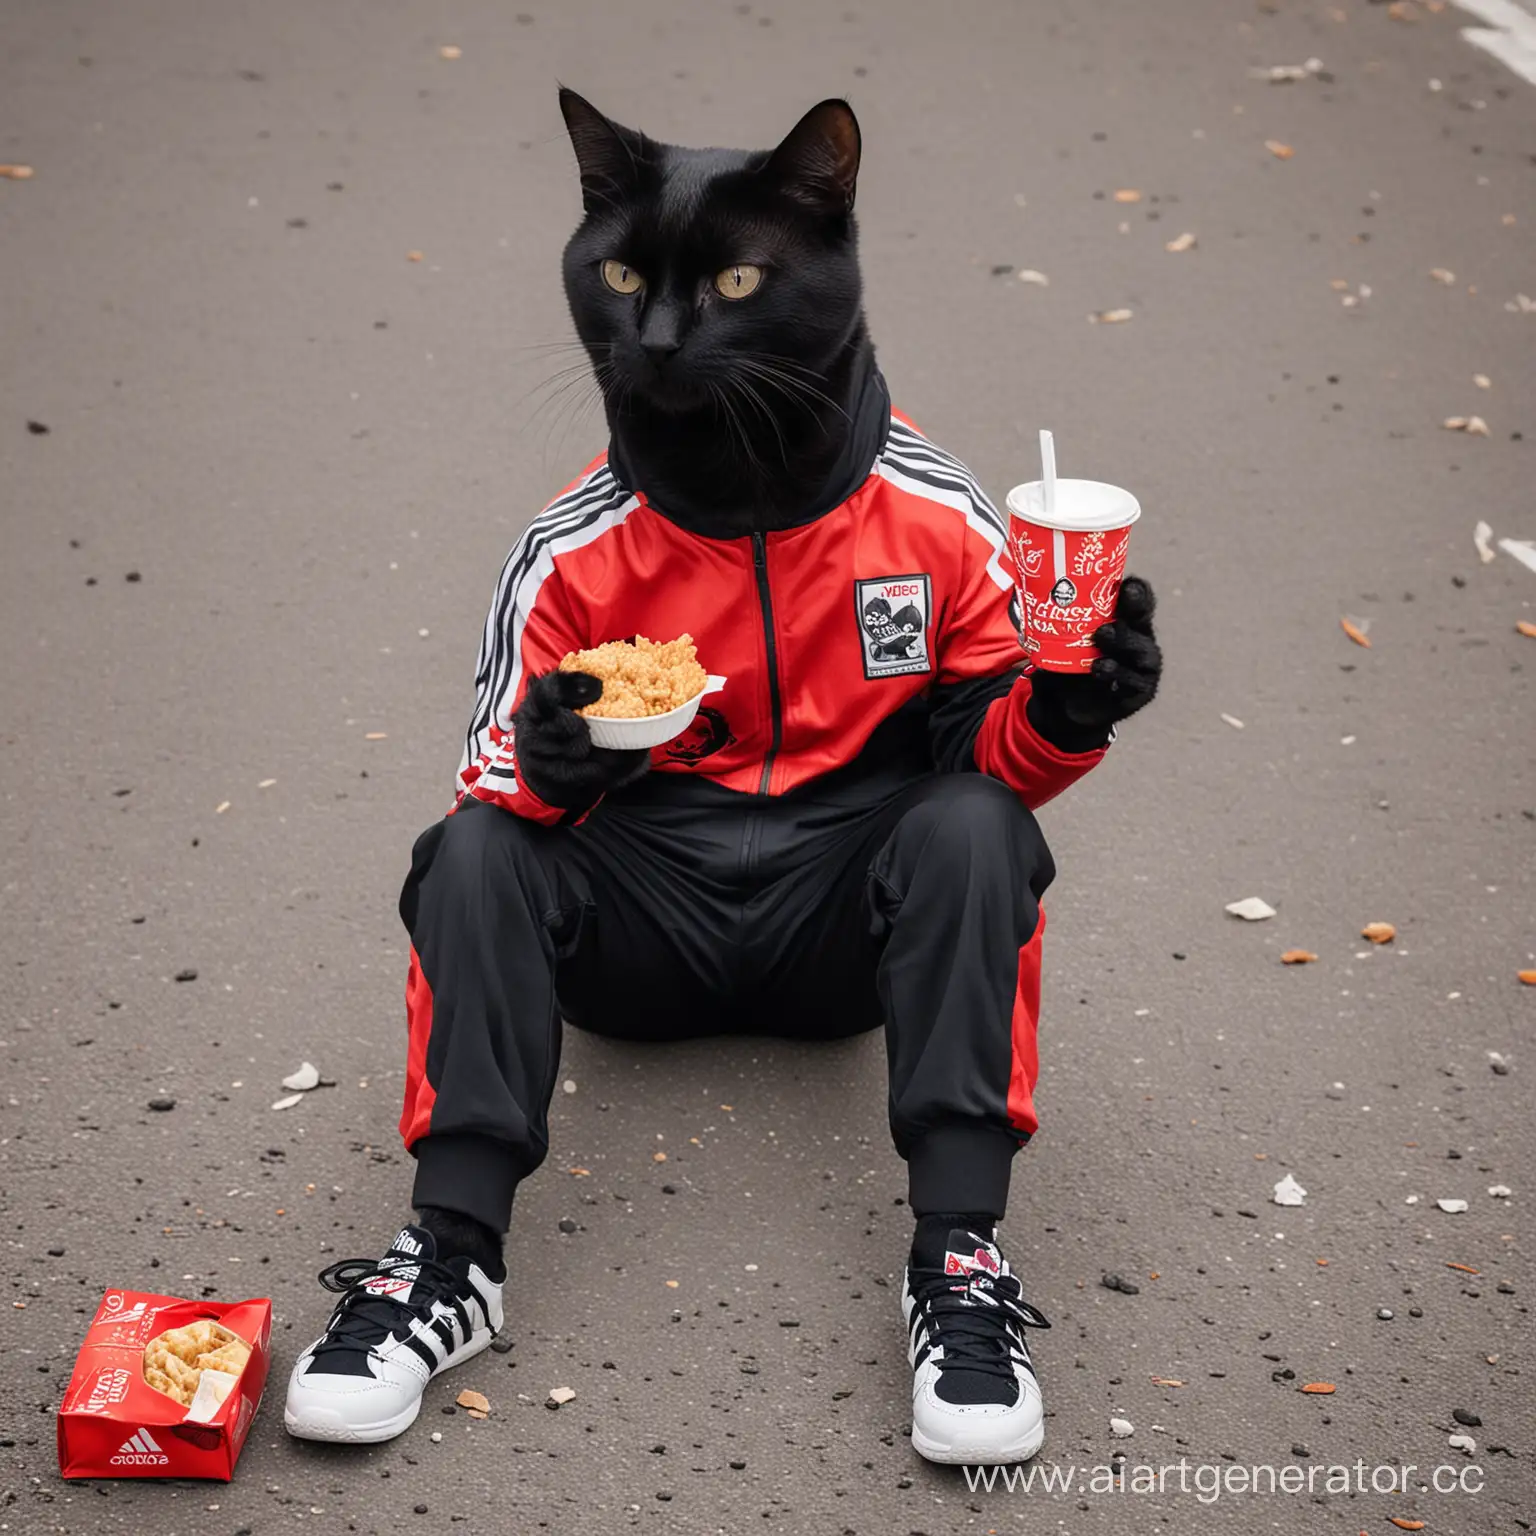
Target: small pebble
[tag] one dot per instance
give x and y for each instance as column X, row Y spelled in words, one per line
column 566, row 1224
column 421, row 1509
column 1384, row 1313
column 501, row 1344
column 437, row 1437
column 189, row 974
column 1300, row 1450
column 162, row 1103
column 1466, row 1417
column 1116, row 1283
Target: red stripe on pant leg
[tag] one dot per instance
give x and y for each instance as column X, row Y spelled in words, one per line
column 1026, row 1054
column 420, row 1095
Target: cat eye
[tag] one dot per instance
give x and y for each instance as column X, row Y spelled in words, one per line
column 622, row 279
column 738, row 281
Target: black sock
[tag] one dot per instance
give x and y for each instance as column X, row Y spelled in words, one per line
column 930, row 1240
column 460, row 1236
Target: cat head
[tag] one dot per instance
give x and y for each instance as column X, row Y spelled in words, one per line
column 702, row 273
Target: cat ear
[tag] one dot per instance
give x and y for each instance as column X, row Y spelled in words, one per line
column 608, row 155
column 818, row 162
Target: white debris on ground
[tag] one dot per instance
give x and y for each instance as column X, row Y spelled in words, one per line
column 307, row 1077
column 1252, row 909
column 1289, row 1192
column 1523, row 550
column 1121, row 1429
column 1452, row 1207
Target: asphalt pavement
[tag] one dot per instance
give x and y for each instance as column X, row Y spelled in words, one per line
column 246, row 552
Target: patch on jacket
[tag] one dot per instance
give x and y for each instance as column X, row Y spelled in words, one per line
column 893, row 614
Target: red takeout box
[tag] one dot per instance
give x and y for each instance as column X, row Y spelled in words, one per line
column 112, row 1423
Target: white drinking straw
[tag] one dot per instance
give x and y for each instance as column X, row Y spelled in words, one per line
column 1048, row 474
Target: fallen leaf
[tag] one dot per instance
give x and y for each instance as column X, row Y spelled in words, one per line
column 469, row 1398
column 1183, row 242
column 1355, row 633
column 658, row 1157
column 1442, row 275
column 1406, row 1525
column 672, row 1285
column 1127, row 195
column 1465, row 1269
column 477, row 1413
column 1528, row 977
column 1278, row 150
column 1482, row 536
column 559, row 1395
column 1297, row 957
column 580, row 1173
column 1379, row 933
column 17, row 172
column 1525, row 627
column 1319, row 1388
column 1039, row 279
column 1252, row 909
column 303, row 1080
column 1110, row 317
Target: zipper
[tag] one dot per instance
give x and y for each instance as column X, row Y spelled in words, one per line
column 765, row 602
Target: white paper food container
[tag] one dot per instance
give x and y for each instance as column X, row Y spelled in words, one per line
column 651, row 730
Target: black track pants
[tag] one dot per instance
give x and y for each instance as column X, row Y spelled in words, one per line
column 796, row 916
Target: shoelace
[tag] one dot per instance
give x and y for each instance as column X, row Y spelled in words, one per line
column 974, row 1334
column 361, row 1319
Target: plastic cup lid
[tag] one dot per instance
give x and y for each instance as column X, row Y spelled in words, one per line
column 1082, row 506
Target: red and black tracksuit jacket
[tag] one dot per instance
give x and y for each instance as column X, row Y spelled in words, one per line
column 868, row 651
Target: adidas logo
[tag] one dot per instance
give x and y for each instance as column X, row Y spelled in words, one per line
column 140, row 1450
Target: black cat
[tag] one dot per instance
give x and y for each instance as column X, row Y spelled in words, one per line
column 759, row 413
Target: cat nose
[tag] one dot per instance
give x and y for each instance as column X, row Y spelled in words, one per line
column 661, row 333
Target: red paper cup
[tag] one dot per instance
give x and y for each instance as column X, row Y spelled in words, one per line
column 1068, row 566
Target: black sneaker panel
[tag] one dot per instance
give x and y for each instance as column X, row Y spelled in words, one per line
column 976, row 1313
column 381, row 1300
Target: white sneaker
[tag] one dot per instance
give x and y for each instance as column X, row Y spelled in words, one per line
column 975, row 1399
column 399, row 1322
